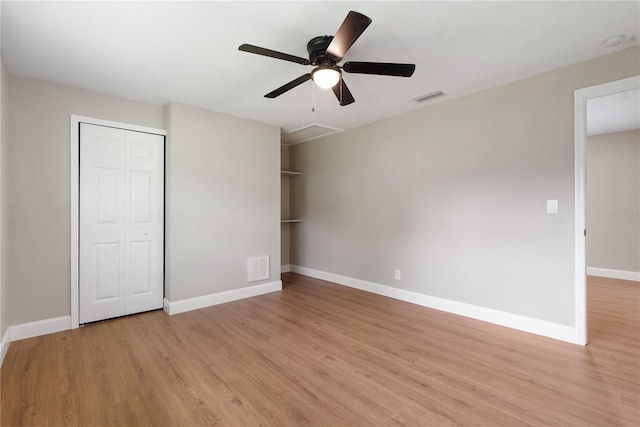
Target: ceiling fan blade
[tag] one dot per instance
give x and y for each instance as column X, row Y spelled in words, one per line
column 353, row 26
column 343, row 93
column 289, row 86
column 380, row 68
column 273, row 54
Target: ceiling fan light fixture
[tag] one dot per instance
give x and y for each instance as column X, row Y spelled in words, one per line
column 326, row 77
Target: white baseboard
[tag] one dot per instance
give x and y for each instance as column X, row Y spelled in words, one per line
column 180, row 306
column 32, row 329
column 514, row 321
column 614, row 274
column 285, row 268
column 4, row 344
column 40, row 327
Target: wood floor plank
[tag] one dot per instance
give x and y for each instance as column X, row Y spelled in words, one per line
column 321, row 354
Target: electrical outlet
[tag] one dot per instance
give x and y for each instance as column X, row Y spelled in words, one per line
column 397, row 274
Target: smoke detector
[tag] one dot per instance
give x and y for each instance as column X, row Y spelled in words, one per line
column 614, row 41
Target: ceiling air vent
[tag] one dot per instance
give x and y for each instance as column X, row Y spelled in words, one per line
column 429, row 96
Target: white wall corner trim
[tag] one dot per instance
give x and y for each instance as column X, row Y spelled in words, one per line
column 4, row 344
column 614, row 274
column 285, row 268
column 514, row 321
column 181, row 306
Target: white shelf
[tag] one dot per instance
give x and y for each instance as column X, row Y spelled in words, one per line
column 290, row 220
column 290, row 173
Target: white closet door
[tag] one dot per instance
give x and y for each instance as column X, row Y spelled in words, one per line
column 121, row 222
column 144, row 227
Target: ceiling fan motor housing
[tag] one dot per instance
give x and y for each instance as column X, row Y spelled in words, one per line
column 317, row 48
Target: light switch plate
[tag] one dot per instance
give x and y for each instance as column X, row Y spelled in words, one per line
column 552, row 207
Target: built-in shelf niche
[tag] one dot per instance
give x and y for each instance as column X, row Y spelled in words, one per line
column 285, row 209
column 288, row 222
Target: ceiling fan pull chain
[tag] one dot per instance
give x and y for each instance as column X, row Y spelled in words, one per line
column 313, row 98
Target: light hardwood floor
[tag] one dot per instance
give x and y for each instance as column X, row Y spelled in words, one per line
column 322, row 354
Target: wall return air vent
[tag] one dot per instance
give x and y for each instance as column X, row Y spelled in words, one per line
column 429, row 96
column 258, row 268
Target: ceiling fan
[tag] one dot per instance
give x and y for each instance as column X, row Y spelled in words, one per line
column 325, row 52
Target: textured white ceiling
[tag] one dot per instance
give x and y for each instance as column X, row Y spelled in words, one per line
column 188, row 51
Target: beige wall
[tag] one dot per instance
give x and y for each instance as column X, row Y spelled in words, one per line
column 613, row 201
column 4, row 204
column 454, row 195
column 39, row 195
column 222, row 204
column 223, row 188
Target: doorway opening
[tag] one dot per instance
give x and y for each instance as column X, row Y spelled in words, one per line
column 581, row 97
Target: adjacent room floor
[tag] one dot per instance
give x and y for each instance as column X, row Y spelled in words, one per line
column 322, row 354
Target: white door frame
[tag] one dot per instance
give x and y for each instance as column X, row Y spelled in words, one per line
column 581, row 96
column 74, row 150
